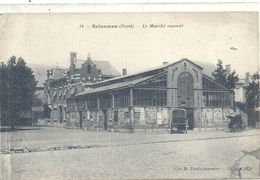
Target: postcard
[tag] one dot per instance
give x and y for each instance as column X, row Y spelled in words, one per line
column 128, row 91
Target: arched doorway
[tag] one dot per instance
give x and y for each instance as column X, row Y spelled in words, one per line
column 185, row 96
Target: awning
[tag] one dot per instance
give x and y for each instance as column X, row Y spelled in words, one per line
column 73, row 90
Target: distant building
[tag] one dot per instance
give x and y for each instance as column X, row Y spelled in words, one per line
column 40, row 106
column 145, row 100
column 64, row 83
column 240, row 86
column 40, row 110
column 240, row 89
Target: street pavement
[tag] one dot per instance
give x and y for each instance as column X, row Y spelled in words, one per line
column 107, row 155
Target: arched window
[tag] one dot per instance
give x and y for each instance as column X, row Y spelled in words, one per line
column 89, row 69
column 185, row 91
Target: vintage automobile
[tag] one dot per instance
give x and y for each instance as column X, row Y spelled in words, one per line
column 179, row 123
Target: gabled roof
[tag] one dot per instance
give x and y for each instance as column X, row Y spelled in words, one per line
column 106, row 68
column 78, row 63
column 59, row 73
column 40, row 72
column 207, row 69
column 185, row 59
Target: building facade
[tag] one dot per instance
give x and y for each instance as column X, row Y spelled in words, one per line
column 145, row 100
column 65, row 83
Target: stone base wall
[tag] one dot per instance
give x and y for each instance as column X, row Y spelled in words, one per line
column 145, row 119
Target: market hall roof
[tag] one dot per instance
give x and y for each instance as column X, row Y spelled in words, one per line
column 113, row 86
column 117, row 82
column 207, row 69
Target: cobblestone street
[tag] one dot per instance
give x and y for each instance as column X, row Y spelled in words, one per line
column 146, row 156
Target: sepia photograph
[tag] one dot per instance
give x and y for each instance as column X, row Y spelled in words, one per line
column 101, row 92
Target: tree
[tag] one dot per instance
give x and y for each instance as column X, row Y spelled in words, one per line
column 232, row 79
column 17, row 89
column 223, row 78
column 252, row 100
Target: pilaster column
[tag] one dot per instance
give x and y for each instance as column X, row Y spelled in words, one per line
column 131, row 97
column 131, row 114
column 131, row 111
column 113, row 100
column 98, row 106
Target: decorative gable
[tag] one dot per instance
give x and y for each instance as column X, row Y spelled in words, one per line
column 186, row 66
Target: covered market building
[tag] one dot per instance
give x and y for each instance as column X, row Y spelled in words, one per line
column 144, row 101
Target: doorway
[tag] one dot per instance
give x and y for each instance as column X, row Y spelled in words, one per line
column 115, row 116
column 80, row 119
column 185, row 96
column 185, row 91
column 60, row 107
column 105, row 119
column 190, row 117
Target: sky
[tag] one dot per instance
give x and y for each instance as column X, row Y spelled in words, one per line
column 49, row 38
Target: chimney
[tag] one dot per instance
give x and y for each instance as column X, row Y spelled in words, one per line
column 164, row 63
column 89, row 58
column 72, row 57
column 228, row 68
column 72, row 62
column 124, row 72
column 247, row 78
